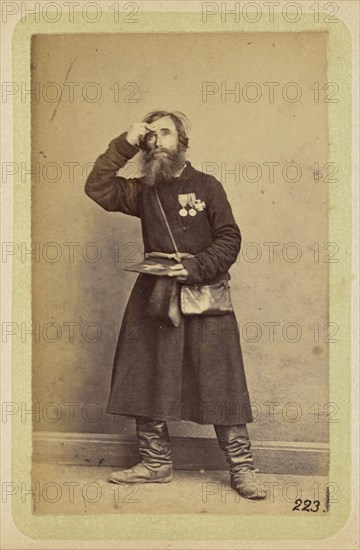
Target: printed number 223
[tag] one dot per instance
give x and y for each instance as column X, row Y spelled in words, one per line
column 306, row 507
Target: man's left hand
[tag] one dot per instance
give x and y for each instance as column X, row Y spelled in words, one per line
column 179, row 272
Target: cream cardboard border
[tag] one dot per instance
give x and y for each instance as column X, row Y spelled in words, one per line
column 188, row 527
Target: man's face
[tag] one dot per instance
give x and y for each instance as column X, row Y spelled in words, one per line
column 163, row 156
column 163, row 135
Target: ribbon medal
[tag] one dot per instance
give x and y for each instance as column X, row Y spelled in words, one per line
column 190, row 200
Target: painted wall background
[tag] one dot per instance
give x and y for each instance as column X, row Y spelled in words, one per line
column 281, row 297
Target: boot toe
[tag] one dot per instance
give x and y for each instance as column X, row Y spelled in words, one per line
column 140, row 473
column 248, row 486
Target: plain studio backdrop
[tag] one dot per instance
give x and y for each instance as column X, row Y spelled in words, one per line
column 80, row 289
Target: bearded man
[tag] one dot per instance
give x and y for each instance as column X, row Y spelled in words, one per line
column 178, row 367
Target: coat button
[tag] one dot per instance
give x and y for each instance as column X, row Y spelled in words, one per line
column 185, row 228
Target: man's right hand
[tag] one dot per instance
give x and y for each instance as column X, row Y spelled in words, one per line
column 137, row 131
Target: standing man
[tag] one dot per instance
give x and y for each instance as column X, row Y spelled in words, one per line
column 191, row 369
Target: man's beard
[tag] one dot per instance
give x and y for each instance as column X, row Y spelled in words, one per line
column 160, row 165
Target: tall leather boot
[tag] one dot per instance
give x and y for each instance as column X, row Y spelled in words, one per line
column 235, row 442
column 155, row 452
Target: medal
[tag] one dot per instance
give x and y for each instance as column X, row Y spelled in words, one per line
column 189, row 199
column 200, row 205
column 183, row 201
column 191, row 202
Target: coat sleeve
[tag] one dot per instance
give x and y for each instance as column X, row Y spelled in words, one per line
column 218, row 256
column 114, row 193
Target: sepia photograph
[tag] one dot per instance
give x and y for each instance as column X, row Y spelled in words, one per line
column 183, row 309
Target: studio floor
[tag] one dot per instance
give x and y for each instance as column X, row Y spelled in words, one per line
column 78, row 490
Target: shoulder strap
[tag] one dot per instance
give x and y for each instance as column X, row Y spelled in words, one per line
column 167, row 225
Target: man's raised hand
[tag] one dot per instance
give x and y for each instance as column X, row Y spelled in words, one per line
column 137, row 131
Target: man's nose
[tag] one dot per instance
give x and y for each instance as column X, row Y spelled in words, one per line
column 158, row 141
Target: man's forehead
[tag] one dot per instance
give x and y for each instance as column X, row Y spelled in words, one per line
column 163, row 122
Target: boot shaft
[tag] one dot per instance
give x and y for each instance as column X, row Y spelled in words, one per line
column 154, row 442
column 235, row 442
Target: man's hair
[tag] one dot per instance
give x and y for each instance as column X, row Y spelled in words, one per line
column 180, row 120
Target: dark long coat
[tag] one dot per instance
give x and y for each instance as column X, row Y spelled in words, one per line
column 194, row 371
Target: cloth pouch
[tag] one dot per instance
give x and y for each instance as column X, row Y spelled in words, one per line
column 211, row 299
